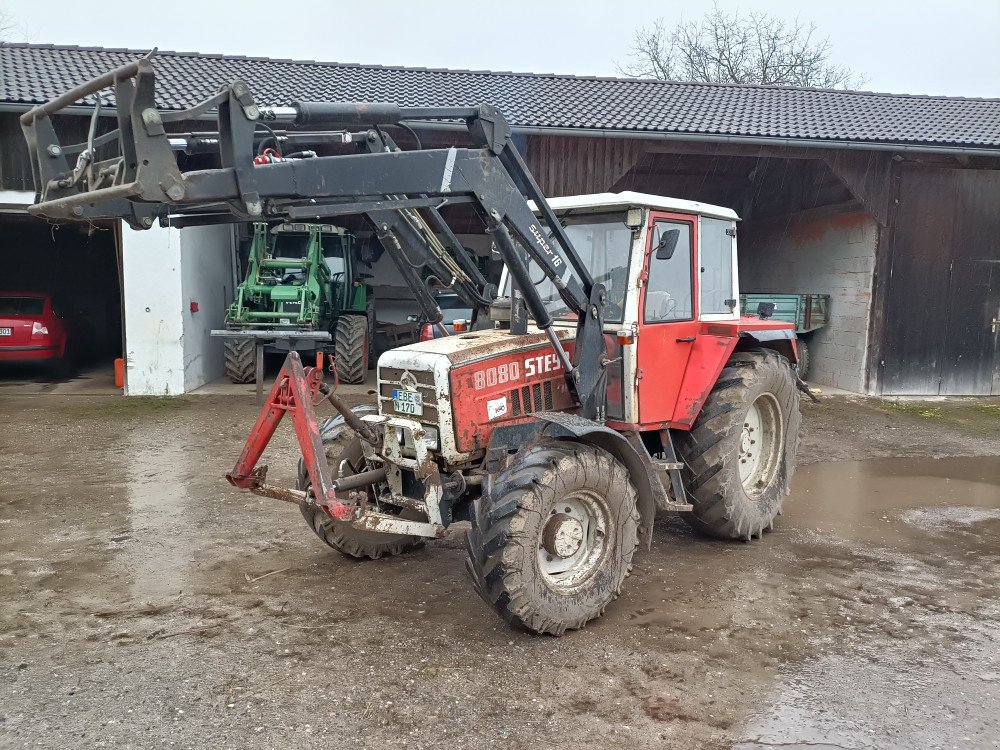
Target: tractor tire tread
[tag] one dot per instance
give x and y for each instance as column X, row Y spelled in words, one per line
column 350, row 340
column 241, row 360
column 711, row 476
column 496, row 561
column 341, row 536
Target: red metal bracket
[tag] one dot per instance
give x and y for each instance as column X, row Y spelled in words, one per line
column 296, row 391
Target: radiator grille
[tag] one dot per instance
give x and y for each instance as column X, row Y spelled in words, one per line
column 389, row 378
column 531, row 398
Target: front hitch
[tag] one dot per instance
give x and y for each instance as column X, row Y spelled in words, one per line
column 295, row 392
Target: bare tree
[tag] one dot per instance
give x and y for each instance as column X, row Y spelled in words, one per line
column 11, row 30
column 737, row 48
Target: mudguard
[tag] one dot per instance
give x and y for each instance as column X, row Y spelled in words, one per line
column 627, row 448
column 783, row 341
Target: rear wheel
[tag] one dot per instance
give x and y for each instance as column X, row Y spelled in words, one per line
column 553, row 536
column 340, row 535
column 351, row 348
column 740, row 454
column 241, row 365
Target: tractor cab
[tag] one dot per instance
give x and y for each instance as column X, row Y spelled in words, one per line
column 672, row 314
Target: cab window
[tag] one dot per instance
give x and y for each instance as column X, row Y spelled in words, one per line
column 669, row 287
column 604, row 244
column 716, row 283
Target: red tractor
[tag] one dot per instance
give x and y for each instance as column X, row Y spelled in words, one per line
column 611, row 376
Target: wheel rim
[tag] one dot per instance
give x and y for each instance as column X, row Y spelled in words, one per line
column 573, row 540
column 760, row 444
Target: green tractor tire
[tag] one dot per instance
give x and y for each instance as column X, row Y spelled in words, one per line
column 241, row 361
column 351, row 348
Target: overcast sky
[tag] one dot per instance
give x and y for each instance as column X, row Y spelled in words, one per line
column 902, row 46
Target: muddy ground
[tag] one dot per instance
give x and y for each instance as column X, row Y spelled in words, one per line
column 144, row 603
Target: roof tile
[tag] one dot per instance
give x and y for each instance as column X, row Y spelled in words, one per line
column 33, row 73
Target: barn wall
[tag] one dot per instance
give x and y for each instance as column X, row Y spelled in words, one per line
column 575, row 166
column 823, row 255
column 154, row 325
column 940, row 289
column 207, row 280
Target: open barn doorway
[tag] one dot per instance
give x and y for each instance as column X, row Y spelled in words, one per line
column 67, row 277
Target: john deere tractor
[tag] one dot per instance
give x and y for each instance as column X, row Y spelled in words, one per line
column 302, row 292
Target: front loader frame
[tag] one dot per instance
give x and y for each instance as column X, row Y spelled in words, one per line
column 144, row 182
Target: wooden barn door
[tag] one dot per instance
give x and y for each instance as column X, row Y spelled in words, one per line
column 941, row 335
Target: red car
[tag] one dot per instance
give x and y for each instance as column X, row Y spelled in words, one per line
column 29, row 329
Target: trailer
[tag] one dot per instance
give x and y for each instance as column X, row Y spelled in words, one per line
column 808, row 312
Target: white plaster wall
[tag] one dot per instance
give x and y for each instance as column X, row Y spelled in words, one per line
column 830, row 255
column 154, row 324
column 207, row 279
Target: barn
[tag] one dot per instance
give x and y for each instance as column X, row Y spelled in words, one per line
column 885, row 202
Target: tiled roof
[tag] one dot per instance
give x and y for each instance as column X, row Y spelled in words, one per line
column 32, row 73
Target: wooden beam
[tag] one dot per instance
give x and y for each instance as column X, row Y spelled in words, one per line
column 867, row 176
column 735, row 149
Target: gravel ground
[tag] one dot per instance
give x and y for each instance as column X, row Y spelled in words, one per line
column 145, row 603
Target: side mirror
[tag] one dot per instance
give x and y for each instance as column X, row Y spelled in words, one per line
column 765, row 310
column 668, row 244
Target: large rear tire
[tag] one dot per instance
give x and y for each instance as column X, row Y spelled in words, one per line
column 241, row 364
column 740, row 453
column 342, row 536
column 553, row 536
column 351, row 348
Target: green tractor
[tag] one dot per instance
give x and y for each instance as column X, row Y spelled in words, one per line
column 302, row 291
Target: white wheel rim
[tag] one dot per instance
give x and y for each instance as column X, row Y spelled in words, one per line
column 760, row 444
column 573, row 540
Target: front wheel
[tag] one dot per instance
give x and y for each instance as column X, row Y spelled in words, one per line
column 345, row 451
column 553, row 536
column 740, row 453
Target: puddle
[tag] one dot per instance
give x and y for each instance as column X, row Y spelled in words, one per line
column 911, row 656
column 894, row 696
column 896, row 501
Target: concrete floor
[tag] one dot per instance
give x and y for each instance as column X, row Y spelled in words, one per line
column 225, row 387
column 145, row 603
column 88, row 380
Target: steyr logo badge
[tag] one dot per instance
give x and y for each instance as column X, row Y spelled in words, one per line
column 408, row 381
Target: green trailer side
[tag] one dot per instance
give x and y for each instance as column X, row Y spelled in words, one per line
column 807, row 312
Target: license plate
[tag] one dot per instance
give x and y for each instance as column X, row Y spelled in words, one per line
column 5, row 332
column 407, row 402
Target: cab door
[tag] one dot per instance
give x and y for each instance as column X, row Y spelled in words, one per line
column 668, row 314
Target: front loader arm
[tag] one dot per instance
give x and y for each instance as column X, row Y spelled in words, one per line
column 142, row 181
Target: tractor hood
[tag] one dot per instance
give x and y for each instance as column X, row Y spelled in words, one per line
column 463, row 348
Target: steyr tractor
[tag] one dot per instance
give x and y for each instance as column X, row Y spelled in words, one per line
column 612, row 379
column 303, row 288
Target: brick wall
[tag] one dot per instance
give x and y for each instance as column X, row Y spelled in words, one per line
column 827, row 255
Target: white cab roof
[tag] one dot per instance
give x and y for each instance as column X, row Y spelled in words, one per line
column 628, row 198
